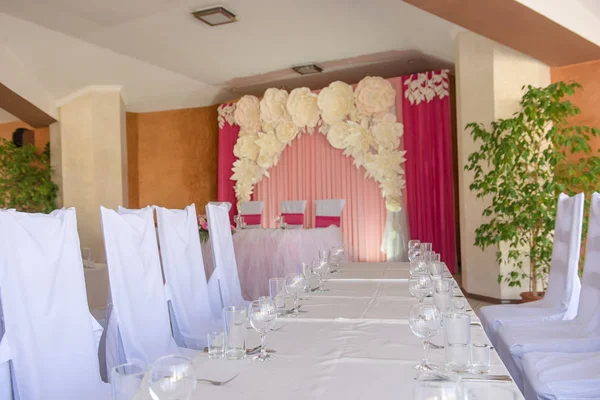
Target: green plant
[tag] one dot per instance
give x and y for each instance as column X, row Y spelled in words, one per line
column 523, row 164
column 26, row 178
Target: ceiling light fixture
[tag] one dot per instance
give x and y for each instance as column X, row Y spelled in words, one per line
column 215, row 16
column 308, row 69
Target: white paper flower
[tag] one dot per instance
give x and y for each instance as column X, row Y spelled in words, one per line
column 387, row 132
column 386, row 164
column 270, row 147
column 358, row 142
column 246, row 171
column 335, row 102
column 303, row 108
column 247, row 114
column 246, row 147
column 374, row 96
column 243, row 191
column 337, row 135
column 393, row 204
column 392, row 187
column 273, row 108
column 286, row 131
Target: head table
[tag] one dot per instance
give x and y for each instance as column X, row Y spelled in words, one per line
column 353, row 342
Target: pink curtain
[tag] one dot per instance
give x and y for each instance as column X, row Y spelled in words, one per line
column 311, row 169
column 429, row 186
column 228, row 135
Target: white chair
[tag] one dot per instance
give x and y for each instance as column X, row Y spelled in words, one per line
column 329, row 212
column 581, row 334
column 185, row 280
column 292, row 213
column 138, row 327
column 218, row 203
column 49, row 332
column 224, row 284
column 562, row 296
column 251, row 213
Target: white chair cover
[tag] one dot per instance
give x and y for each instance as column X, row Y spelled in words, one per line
column 252, row 208
column 138, row 325
column 218, row 203
column 294, row 207
column 562, row 296
column 185, row 280
column 5, row 378
column 224, row 284
column 330, row 208
column 37, row 310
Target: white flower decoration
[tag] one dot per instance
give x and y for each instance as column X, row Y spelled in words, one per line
column 335, row 102
column 386, row 164
column 286, row 131
column 246, row 147
column 387, row 132
column 374, row 96
column 273, row 107
column 337, row 135
column 246, row 171
column 358, row 142
column 303, row 108
column 393, row 204
column 243, row 191
column 247, row 114
column 392, row 187
column 270, row 147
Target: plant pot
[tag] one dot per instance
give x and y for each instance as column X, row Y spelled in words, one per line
column 527, row 297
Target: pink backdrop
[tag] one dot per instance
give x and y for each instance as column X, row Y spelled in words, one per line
column 228, row 136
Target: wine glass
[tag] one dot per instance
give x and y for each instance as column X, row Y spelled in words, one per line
column 262, row 314
column 420, row 286
column 436, row 269
column 414, row 249
column 336, row 257
column 321, row 268
column 172, row 378
column 424, row 321
column 295, row 284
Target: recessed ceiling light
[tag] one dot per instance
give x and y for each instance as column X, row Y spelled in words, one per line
column 215, row 16
column 308, row 69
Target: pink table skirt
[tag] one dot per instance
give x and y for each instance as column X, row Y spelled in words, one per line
column 266, row 253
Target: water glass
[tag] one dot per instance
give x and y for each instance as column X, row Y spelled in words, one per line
column 418, row 266
column 458, row 304
column 436, row 269
column 426, row 247
column 437, row 386
column 295, row 284
column 424, row 321
column 442, row 294
column 172, row 378
column 87, row 257
column 457, row 329
column 216, row 345
column 262, row 315
column 420, row 286
column 234, row 321
column 337, row 256
column 480, row 358
column 277, row 293
column 126, row 380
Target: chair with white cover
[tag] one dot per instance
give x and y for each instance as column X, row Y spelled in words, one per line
column 218, row 203
column 251, row 213
column 578, row 335
column 329, row 212
column 138, row 326
column 562, row 296
column 292, row 213
column 224, row 285
column 185, row 280
column 49, row 333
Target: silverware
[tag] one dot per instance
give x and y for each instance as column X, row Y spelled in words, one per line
column 486, row 378
column 217, row 383
column 256, row 350
column 435, row 346
column 476, row 323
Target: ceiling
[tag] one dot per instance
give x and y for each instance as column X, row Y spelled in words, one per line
column 166, row 59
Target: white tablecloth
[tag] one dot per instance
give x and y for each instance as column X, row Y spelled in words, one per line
column 353, row 343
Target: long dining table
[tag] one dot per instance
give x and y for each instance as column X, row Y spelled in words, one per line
column 350, row 342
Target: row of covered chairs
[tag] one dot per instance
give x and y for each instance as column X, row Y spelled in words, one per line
column 49, row 336
column 328, row 212
column 551, row 347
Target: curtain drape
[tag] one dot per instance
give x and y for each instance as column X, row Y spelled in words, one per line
column 228, row 135
column 428, row 142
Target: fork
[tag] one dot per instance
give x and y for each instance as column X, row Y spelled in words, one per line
column 217, row 383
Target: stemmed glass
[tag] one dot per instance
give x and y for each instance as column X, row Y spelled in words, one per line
column 295, row 284
column 424, row 321
column 262, row 314
column 420, row 286
column 172, row 378
column 321, row 268
column 414, row 249
column 337, row 256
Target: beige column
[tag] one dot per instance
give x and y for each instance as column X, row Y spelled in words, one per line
column 89, row 155
column 489, row 81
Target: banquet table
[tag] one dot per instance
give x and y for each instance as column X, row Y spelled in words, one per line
column 353, row 342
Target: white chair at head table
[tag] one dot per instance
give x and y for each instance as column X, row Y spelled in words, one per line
column 218, row 203
column 48, row 360
column 292, row 213
column 251, row 213
column 329, row 212
column 185, row 279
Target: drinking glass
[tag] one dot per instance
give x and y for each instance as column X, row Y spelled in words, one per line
column 436, row 269
column 424, row 321
column 172, row 378
column 480, row 358
column 458, row 304
column 418, row 266
column 234, row 321
column 294, row 285
column 420, row 286
column 313, row 281
column 426, row 247
column 336, row 257
column 126, row 380
column 437, row 386
column 457, row 329
column 442, row 294
column 262, row 315
column 277, row 293
column 321, row 268
column 414, row 247
column 216, row 345
column 87, row 257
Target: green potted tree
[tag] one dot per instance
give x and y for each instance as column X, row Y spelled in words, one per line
column 522, row 165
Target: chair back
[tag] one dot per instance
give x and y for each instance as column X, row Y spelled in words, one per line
column 329, row 212
column 292, row 212
column 218, row 203
column 589, row 299
column 251, row 212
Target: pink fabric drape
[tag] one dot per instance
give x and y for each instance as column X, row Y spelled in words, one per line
column 429, row 186
column 311, row 169
column 228, row 135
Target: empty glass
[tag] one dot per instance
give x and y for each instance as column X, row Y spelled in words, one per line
column 126, row 380
column 457, row 329
column 172, row 378
column 321, row 268
column 216, row 345
column 262, row 315
column 294, row 285
column 458, row 304
column 437, row 386
column 480, row 358
column 414, row 249
column 424, row 321
column 87, row 257
column 234, row 321
column 442, row 294
column 277, row 293
column 436, row 269
column 420, row 286
column 426, row 247
column 337, row 255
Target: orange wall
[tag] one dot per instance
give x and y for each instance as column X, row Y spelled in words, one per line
column 172, row 157
column 41, row 135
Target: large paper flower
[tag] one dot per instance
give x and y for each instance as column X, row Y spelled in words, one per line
column 243, row 191
column 393, row 204
column 246, row 147
column 386, row 164
column 358, row 142
column 374, row 96
column 273, row 107
column 286, row 131
column 303, row 108
column 335, row 102
column 392, row 187
column 270, row 147
column 387, row 132
column 246, row 171
column 337, row 135
column 247, row 114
